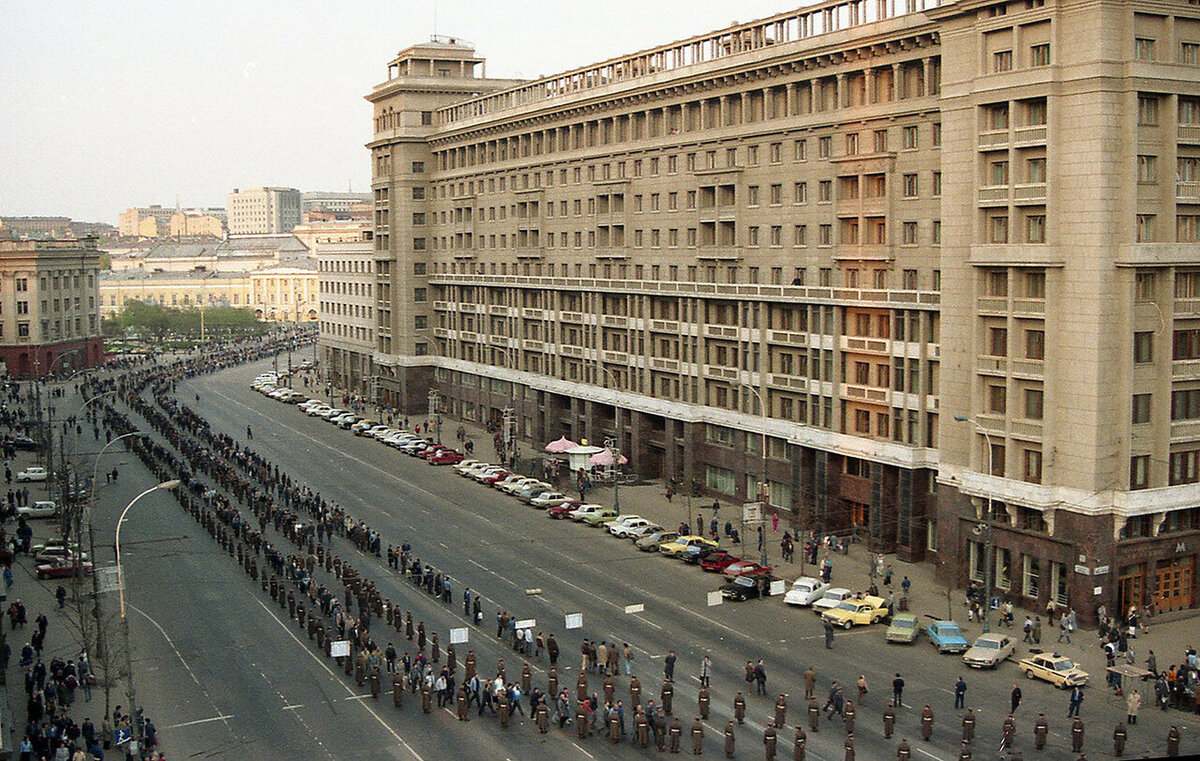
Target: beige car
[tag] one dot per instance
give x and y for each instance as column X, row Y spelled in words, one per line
column 988, row 651
column 1053, row 668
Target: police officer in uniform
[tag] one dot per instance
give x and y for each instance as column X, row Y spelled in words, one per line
column 552, row 681
column 730, row 740
column 502, row 706
column 469, row 667
column 1008, row 731
column 969, row 726
column 375, row 682
column 848, row 715
column 1173, row 741
column 814, row 715
column 704, row 701
column 397, row 689
column 739, row 708
column 666, row 696
column 542, row 716
column 849, row 745
column 1077, row 735
column 889, row 721
column 451, row 659
column 426, row 698
column 609, row 688
column 926, row 723
column 903, row 753
column 581, row 687
column 643, row 728
column 1119, row 736
column 435, row 648
column 660, row 730
column 635, row 691
column 800, row 746
column 581, row 722
column 769, row 740
column 526, row 679
column 614, row 726
column 461, row 702
column 697, row 737
column 781, row 710
column 676, row 732
column 1041, row 728
column 964, row 753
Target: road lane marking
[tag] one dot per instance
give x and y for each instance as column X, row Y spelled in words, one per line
column 581, row 750
column 199, row 721
column 337, row 679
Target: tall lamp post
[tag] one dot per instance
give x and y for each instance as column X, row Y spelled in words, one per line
column 764, row 492
column 984, row 528
column 132, row 694
column 614, row 444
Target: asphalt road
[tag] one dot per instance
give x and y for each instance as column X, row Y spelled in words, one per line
column 229, row 678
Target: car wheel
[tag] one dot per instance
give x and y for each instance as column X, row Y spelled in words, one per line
column 846, row 625
column 1029, row 673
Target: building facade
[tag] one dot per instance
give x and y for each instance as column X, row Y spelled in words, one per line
column 198, row 223
column 347, row 315
column 173, row 288
column 254, row 211
column 152, row 221
column 49, row 310
column 923, row 273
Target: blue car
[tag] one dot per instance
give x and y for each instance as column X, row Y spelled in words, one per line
column 946, row 637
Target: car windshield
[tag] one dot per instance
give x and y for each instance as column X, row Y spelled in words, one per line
column 742, row 581
column 988, row 644
column 904, row 623
column 948, row 630
column 1063, row 665
column 847, row 606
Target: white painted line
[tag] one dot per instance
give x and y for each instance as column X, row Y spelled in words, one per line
column 199, row 721
column 581, row 750
column 927, row 753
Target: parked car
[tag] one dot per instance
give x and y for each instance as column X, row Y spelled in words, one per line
column 696, row 554
column 857, row 611
column 57, row 552
column 1053, row 668
column 564, row 510
column 831, row 598
column 621, row 520
column 445, row 457
column 627, row 523
column 515, row 486
column 903, row 629
column 466, row 465
column 717, row 561
column 33, row 473
column 746, row 568
column 746, row 588
column 673, row 549
column 600, row 517
column 988, row 650
column 42, row 508
column 805, row 591
column 549, row 499
column 61, row 569
column 21, row 441
column 640, row 532
column 651, row 542
column 531, row 490
column 946, row 637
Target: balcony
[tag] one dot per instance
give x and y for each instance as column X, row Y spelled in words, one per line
column 721, row 331
column 994, row 194
column 788, row 338
column 865, row 393
column 614, row 321
column 791, row 382
column 1030, row 368
column 1029, row 307
column 879, row 346
column 993, row 139
column 992, row 305
column 664, row 326
column 664, row 364
column 1030, row 192
column 1187, row 192
column 1186, row 369
column 533, row 314
column 1027, row 135
column 1189, row 133
column 575, row 317
column 718, row 372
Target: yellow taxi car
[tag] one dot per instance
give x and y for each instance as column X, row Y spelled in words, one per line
column 673, row 549
column 1053, row 668
column 857, row 611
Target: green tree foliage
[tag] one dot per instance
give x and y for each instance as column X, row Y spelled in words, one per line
column 160, row 321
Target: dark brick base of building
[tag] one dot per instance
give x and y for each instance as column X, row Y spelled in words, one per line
column 63, row 358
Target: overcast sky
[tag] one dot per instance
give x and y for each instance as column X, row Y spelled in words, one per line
column 106, row 105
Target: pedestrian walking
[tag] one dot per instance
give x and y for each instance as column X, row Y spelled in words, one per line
column 669, row 666
column 1133, row 704
column 1014, row 698
column 898, row 690
column 960, row 693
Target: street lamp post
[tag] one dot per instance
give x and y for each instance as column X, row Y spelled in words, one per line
column 763, row 491
column 984, row 528
column 614, row 444
column 132, row 694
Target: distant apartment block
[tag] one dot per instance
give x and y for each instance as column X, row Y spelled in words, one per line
column 253, row 211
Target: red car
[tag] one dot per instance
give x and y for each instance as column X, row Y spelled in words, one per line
column 445, row 457
column 718, row 561
column 558, row 512
column 62, row 569
column 747, row 568
column 496, row 477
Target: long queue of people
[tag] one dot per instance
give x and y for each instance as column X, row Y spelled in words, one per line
column 243, row 501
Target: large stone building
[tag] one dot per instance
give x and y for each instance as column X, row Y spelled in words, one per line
column 347, row 286
column 152, row 221
column 254, row 211
column 49, row 318
column 929, row 272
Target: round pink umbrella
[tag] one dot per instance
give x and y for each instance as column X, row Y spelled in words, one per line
column 562, row 445
column 605, row 459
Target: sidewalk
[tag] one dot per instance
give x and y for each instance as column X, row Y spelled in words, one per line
column 927, row 599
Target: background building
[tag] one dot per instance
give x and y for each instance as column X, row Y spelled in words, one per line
column 784, row 259
column 254, row 211
column 152, row 221
column 51, row 228
column 183, row 289
column 333, row 202
column 48, row 306
column 347, row 315
column 198, row 223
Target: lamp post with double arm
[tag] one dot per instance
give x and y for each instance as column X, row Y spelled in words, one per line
column 984, row 528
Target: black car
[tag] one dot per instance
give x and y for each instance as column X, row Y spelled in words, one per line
column 696, row 553
column 746, row 588
column 21, row 441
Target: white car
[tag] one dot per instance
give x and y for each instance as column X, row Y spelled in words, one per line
column 486, row 473
column 478, row 467
column 332, row 412
column 515, row 486
column 584, row 511
column 511, row 478
column 40, row 509
column 831, row 599
column 643, row 531
column 414, row 446
column 345, row 421
column 549, row 499
column 306, row 406
column 465, row 465
column 626, row 523
column 33, row 474
column 318, row 410
column 805, row 591
column 396, row 438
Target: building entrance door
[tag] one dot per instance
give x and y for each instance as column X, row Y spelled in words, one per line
column 1129, row 588
column 1173, row 588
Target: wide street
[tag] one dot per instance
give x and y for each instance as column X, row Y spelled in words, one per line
column 227, row 676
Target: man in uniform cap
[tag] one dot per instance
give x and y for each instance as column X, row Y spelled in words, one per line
column 614, row 726
column 1119, row 737
column 810, row 682
column 526, row 679
column 769, row 739
column 739, row 708
column 781, row 710
column 1077, row 735
column 581, row 722
column 730, row 740
column 375, row 682
column 814, row 715
column 676, row 732
column 502, row 707
column 1008, row 731
column 660, row 730
column 426, row 698
column 697, row 737
column 1173, row 741
column 903, row 753
column 849, row 745
column 969, row 726
column 666, row 696
column 964, row 753
column 889, row 721
column 552, row 681
column 397, row 689
column 461, row 702
column 469, row 668
column 704, row 701
column 848, row 716
column 643, row 728
column 800, row 746
column 609, row 688
column 926, row 723
column 581, row 687
column 1041, row 728
column 542, row 716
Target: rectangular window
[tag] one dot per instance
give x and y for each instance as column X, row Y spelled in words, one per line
column 1035, row 344
column 910, row 186
column 1189, row 53
column 824, row 147
column 880, row 137
column 1147, row 166
column 1032, row 466
column 1145, row 228
column 937, row 183
column 1148, row 110
column 1141, row 408
column 1184, row 467
column 1002, row 61
column 1185, row 344
column 997, row 399
column 998, row 342
column 852, row 144
column 824, row 191
column 1143, row 49
column 1143, row 347
column 800, row 150
column 1033, row 403
column 800, row 192
column 1035, row 228
column 1039, row 55
column 800, row 235
column 720, row 480
column 998, row 230
column 1139, row 471
column 910, row 233
column 1035, row 171
column 910, row 137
